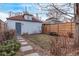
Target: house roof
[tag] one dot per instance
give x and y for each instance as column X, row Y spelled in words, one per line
column 21, row 18
column 1, row 21
column 51, row 18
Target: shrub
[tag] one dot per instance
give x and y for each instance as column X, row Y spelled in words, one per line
column 2, row 37
column 70, row 35
column 53, row 34
column 6, row 35
column 9, row 47
column 8, row 43
column 10, row 34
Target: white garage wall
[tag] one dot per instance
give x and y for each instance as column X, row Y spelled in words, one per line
column 26, row 27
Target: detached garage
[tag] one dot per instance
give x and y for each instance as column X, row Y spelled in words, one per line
column 25, row 23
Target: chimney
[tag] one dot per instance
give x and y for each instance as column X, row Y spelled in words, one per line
column 10, row 14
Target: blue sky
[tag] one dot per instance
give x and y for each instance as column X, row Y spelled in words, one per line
column 32, row 8
column 5, row 8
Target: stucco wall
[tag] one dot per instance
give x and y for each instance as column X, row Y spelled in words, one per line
column 26, row 27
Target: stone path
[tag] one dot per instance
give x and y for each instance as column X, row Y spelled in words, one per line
column 33, row 54
column 26, row 49
column 24, row 43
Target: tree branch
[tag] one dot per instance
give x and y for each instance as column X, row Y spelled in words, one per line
column 61, row 11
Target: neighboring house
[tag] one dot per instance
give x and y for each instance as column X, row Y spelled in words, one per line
column 62, row 28
column 65, row 20
column 25, row 23
column 52, row 20
column 2, row 26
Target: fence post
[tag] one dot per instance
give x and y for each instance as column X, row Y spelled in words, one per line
column 76, row 19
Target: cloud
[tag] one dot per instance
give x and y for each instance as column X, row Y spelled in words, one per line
column 3, row 16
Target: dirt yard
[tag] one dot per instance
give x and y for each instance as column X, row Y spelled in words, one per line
column 50, row 45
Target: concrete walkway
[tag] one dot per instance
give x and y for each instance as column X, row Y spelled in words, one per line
column 26, row 49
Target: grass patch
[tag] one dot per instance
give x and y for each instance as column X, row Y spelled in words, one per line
column 42, row 40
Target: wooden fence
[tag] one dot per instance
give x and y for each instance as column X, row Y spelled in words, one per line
column 3, row 26
column 61, row 29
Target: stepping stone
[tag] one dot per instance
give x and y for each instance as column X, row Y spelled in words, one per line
column 19, row 37
column 26, row 48
column 33, row 54
column 21, row 40
column 24, row 43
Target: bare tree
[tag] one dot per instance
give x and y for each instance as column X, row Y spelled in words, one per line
column 58, row 10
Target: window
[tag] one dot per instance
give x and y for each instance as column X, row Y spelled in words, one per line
column 27, row 17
